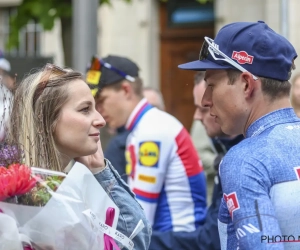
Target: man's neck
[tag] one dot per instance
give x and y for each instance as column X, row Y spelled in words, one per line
column 132, row 105
column 266, row 106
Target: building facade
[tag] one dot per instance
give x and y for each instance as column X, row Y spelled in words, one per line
column 159, row 36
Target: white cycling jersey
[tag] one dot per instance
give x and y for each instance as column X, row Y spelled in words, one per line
column 164, row 170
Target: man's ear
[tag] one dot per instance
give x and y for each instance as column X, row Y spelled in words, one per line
column 127, row 88
column 249, row 84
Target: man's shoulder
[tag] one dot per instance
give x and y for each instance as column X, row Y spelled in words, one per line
column 157, row 122
column 158, row 114
column 120, row 138
column 270, row 150
column 244, row 147
column 246, row 152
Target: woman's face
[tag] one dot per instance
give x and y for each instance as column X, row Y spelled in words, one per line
column 77, row 129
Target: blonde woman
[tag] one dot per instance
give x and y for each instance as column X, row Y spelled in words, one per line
column 54, row 120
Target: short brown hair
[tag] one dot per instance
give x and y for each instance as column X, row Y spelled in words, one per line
column 271, row 87
column 137, row 86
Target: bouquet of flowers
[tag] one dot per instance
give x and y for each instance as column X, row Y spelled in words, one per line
column 43, row 209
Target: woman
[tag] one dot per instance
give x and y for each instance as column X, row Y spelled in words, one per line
column 54, row 119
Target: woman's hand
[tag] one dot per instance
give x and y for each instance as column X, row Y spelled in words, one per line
column 94, row 162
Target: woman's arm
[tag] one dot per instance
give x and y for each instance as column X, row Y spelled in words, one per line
column 130, row 210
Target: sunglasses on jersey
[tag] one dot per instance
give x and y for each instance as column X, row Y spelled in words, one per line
column 94, row 73
column 209, row 47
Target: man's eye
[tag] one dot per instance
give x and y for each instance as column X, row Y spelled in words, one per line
column 101, row 100
column 210, row 86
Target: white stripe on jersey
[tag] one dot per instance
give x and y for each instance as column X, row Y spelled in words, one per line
column 183, row 218
column 222, row 227
column 285, row 198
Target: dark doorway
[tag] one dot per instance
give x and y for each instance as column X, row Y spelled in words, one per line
column 183, row 25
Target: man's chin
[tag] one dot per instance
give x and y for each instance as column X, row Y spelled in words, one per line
column 215, row 133
column 212, row 135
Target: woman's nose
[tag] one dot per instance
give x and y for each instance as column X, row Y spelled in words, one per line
column 99, row 122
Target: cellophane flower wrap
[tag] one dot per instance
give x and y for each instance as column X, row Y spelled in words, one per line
column 44, row 209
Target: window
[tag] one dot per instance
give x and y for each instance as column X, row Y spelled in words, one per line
column 189, row 13
column 29, row 36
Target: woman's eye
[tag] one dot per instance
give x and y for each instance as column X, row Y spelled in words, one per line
column 85, row 110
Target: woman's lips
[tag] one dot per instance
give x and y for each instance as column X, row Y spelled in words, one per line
column 95, row 134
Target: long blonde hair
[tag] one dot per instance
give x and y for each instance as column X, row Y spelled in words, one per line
column 34, row 116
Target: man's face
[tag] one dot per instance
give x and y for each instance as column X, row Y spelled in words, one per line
column 111, row 104
column 226, row 101
column 202, row 114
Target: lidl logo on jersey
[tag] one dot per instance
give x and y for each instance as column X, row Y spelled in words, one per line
column 149, row 153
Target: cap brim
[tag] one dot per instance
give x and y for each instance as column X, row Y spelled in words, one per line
column 202, row 65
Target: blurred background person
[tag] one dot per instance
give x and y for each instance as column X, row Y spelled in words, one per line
column 154, row 97
column 220, row 141
column 163, row 167
column 5, row 72
column 295, row 94
column 206, row 237
column 202, row 141
column 115, row 149
column 116, row 145
column 7, row 84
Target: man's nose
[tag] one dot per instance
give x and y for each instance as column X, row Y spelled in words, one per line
column 206, row 99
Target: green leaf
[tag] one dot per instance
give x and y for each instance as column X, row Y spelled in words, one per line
column 204, row 1
column 42, row 11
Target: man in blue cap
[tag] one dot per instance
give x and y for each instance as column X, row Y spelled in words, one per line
column 248, row 67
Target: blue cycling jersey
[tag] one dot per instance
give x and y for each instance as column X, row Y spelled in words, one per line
column 260, row 176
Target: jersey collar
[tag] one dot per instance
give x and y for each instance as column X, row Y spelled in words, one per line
column 286, row 115
column 141, row 108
